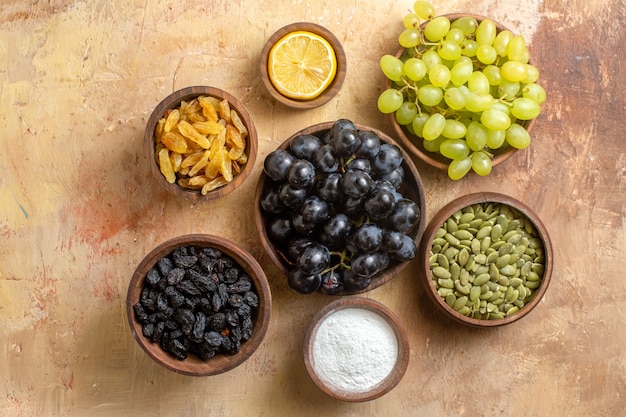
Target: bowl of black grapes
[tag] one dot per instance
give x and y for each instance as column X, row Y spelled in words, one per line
column 199, row 304
column 340, row 208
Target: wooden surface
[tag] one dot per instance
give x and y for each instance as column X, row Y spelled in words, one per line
column 79, row 210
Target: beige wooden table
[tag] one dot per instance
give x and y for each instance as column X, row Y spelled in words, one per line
column 78, row 211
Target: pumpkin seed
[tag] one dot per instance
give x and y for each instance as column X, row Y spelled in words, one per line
column 441, row 272
column 445, row 283
column 442, row 261
column 481, row 279
column 460, row 302
column 484, row 231
column 463, row 257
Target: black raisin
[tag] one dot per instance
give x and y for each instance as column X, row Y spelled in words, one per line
column 235, row 300
column 205, row 351
column 165, row 265
column 202, row 281
column 212, row 253
column 198, row 326
column 213, row 338
column 251, row 299
column 148, row 298
column 217, row 322
column 204, row 305
column 191, row 303
column 232, row 318
column 236, row 333
column 244, row 310
column 186, row 319
column 176, row 348
column 148, row 330
column 162, row 303
column 187, row 287
column 216, row 302
column 171, row 324
column 241, row 286
column 246, row 327
column 230, row 275
column 207, row 264
column 223, row 293
column 185, row 261
column 153, row 277
column 174, row 334
column 175, row 276
column 158, row 332
column 140, row 313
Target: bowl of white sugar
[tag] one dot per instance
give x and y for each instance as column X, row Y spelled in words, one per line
column 356, row 349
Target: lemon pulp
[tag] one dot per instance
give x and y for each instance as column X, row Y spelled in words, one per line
column 301, row 65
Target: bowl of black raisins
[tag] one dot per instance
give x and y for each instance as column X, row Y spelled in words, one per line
column 340, row 208
column 199, row 305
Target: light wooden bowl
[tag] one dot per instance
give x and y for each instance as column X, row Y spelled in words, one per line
column 332, row 89
column 414, row 144
column 436, row 223
column 193, row 365
column 412, row 188
column 388, row 383
column 173, row 101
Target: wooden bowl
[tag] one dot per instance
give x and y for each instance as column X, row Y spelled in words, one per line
column 332, row 89
column 173, row 101
column 441, row 217
column 314, row 349
column 412, row 188
column 192, row 364
column 414, row 144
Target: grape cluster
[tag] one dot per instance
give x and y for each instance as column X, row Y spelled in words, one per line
column 335, row 210
column 463, row 87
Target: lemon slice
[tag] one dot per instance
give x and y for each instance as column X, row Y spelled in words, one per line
column 302, row 65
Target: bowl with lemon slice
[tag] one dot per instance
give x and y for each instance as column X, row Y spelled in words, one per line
column 303, row 65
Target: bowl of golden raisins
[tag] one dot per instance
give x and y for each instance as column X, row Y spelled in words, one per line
column 202, row 143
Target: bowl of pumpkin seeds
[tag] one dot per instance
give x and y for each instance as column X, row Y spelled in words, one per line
column 486, row 259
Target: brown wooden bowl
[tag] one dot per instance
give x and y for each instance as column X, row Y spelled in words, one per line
column 412, row 188
column 193, row 365
column 173, row 101
column 427, row 243
column 414, row 144
column 332, row 89
column 359, row 393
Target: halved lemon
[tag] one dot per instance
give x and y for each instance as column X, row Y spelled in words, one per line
column 301, row 65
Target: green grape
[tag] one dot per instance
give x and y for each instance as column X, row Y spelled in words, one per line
column 525, row 108
column 406, row 113
column 458, row 168
column 513, row 71
column 478, row 102
column 492, row 72
column 449, row 50
column 392, row 67
column 486, row 32
column 495, row 119
column 534, row 92
column 433, row 145
column 532, row 74
column 454, row 129
column 409, row 38
column 431, row 58
column 430, row 95
column 509, row 89
column 434, row 126
column 501, row 42
column 424, row 9
column 418, row 124
column 516, row 47
column 461, row 71
column 454, row 98
column 469, row 47
column 481, row 163
column 476, row 136
column 455, row 35
column 411, row 21
column 504, row 108
column 495, row 138
column 390, row 100
column 525, row 56
column 517, row 136
column 486, row 54
column 439, row 75
column 437, row 28
column 467, row 24
column 478, row 82
column 454, row 148
column 415, row 69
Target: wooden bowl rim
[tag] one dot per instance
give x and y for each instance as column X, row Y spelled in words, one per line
column 394, row 377
column 340, row 55
column 444, row 213
column 192, row 365
column 436, row 160
column 394, row 269
column 172, row 101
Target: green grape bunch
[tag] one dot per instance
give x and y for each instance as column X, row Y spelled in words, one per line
column 462, row 87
